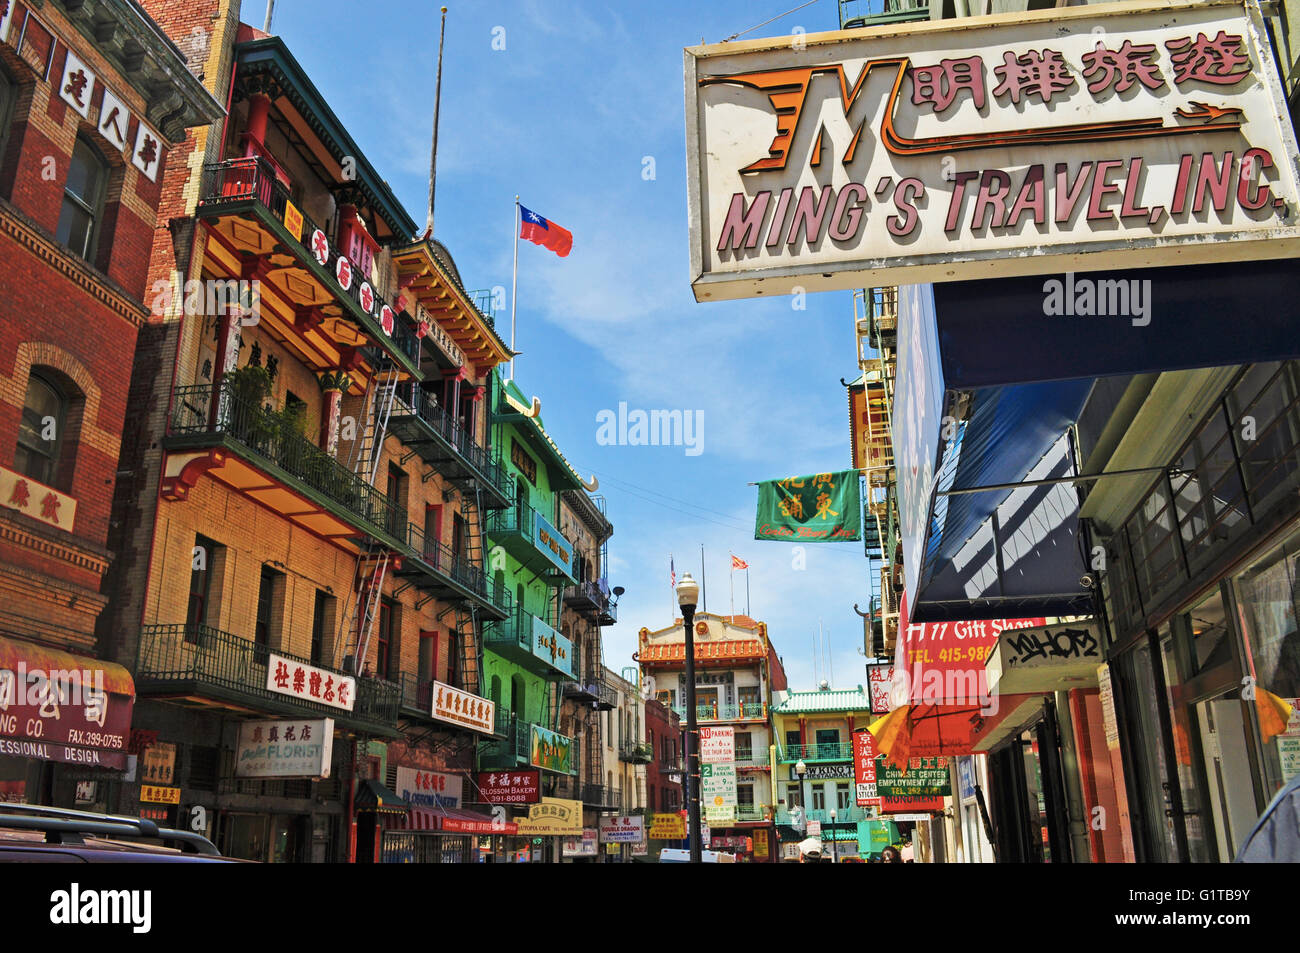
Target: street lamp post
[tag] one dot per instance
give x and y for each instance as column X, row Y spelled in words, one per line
column 800, row 769
column 835, row 854
column 688, row 592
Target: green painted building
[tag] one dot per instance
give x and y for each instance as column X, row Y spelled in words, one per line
column 525, row 656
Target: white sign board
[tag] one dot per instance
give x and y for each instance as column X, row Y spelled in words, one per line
column 1070, row 139
column 308, row 683
column 300, row 748
column 717, row 745
column 429, row 789
column 622, row 830
column 461, row 708
column 814, row 828
column 718, row 793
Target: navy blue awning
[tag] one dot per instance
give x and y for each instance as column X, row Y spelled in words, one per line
column 990, row 379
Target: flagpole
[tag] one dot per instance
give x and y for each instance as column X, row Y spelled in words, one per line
column 704, row 589
column 747, row 591
column 437, row 109
column 514, row 288
column 731, row 576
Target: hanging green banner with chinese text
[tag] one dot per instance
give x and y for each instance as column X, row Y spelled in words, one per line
column 818, row 508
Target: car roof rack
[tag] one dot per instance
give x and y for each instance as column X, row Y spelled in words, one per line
column 63, row 825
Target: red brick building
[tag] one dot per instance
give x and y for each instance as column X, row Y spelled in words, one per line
column 663, row 772
column 93, row 99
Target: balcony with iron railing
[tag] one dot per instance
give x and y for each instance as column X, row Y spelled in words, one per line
column 837, row 751
column 523, row 533
column 636, row 752
column 269, row 442
column 249, row 189
column 528, row 641
column 843, row 815
column 602, row 797
column 752, row 758
column 511, row 744
column 750, row 711
column 749, row 813
column 440, row 439
column 589, row 595
column 181, row 660
column 436, row 568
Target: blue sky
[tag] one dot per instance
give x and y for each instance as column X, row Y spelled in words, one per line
column 584, row 98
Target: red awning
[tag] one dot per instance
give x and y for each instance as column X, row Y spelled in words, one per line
column 450, row 820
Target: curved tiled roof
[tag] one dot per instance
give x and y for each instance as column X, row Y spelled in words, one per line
column 851, row 700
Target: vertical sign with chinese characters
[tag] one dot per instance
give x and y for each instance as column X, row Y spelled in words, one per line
column 159, row 765
column 308, row 683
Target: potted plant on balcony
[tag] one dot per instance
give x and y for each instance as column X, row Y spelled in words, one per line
column 247, row 389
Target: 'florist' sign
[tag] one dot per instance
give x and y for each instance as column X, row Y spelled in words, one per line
column 1067, row 140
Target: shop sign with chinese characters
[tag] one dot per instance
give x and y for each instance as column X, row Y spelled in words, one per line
column 585, row 846
column 78, row 85
column 310, row 684
column 285, row 749
column 622, row 830
column 462, row 708
column 40, row 502
column 1073, row 139
column 667, row 827
column 159, row 765
column 428, row 788
column 510, row 787
column 553, row 816
column 155, row 794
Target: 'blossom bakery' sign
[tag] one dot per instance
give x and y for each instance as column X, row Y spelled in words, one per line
column 1072, row 139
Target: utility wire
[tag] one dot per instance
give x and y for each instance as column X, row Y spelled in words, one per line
column 736, row 36
column 617, row 482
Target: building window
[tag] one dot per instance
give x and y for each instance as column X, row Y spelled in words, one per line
column 386, row 642
column 794, row 795
column 40, row 432
column 270, row 600
column 744, row 746
column 828, row 743
column 745, row 795
column 842, row 795
column 202, row 566
column 818, row 797
column 83, row 200
column 6, row 108
column 321, row 624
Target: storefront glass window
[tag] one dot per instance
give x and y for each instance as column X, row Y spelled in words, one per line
column 1156, row 804
column 1193, row 822
column 1268, row 601
column 1265, row 406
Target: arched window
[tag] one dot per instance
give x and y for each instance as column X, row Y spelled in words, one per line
column 518, row 697
column 83, row 200
column 494, row 692
column 40, row 432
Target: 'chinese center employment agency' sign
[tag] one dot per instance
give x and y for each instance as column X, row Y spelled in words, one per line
column 1071, row 139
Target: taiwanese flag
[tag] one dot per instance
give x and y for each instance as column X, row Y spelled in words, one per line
column 539, row 231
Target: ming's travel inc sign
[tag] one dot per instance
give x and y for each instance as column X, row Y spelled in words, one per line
column 1073, row 139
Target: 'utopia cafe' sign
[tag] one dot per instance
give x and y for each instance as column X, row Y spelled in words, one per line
column 1071, row 140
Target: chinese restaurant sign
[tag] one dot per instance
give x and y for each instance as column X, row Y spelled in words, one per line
column 40, row 502
column 310, row 684
column 864, row 769
column 428, row 789
column 551, row 751
column 1071, row 139
column 818, row 508
column 284, row 749
column 462, row 708
column 510, row 787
